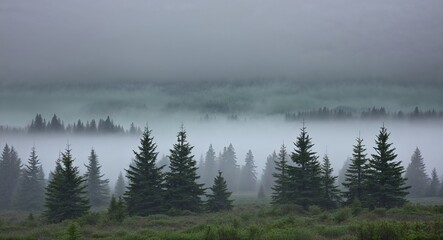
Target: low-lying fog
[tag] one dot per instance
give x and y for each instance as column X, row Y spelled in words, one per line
column 262, row 136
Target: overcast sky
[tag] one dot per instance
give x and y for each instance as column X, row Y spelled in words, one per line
column 223, row 39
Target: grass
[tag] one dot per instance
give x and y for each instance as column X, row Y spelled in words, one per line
column 248, row 220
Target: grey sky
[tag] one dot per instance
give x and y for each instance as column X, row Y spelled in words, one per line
column 225, row 39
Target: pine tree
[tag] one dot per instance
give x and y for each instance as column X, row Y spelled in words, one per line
column 386, row 185
column 210, row 170
column 341, row 174
column 219, row 199
column 116, row 209
column 66, row 196
column 434, row 184
column 228, row 165
column 31, row 189
column 10, row 170
column 183, row 192
column 281, row 189
column 248, row 182
column 331, row 194
column 416, row 175
column 356, row 175
column 267, row 179
column 120, row 186
column 97, row 187
column 305, row 174
column 144, row 195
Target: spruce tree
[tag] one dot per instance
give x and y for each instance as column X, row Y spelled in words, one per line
column 386, row 184
column 120, row 186
column 31, row 190
column 331, row 194
column 10, row 170
column 210, row 166
column 144, row 194
column 281, row 189
column 267, row 179
column 183, row 192
column 66, row 196
column 228, row 165
column 97, row 187
column 116, row 209
column 306, row 173
column 356, row 175
column 248, row 178
column 219, row 199
column 434, row 184
column 416, row 175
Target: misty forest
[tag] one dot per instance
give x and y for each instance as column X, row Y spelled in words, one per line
column 221, row 120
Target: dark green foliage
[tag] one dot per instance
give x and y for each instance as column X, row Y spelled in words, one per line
column 356, row 175
column 281, row 189
column 267, row 179
column 386, row 184
column 331, row 195
column 210, row 167
column 228, row 165
column 305, row 175
column 183, row 192
column 31, row 190
column 116, row 209
column 120, row 186
column 66, row 192
column 144, row 195
column 416, row 175
column 434, row 185
column 390, row 229
column 219, row 199
column 72, row 232
column 10, row 170
column 97, row 187
column 248, row 177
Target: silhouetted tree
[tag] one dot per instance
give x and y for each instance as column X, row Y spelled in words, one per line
column 56, row 124
column 356, row 175
column 386, row 184
column 228, row 165
column 31, row 190
column 210, row 169
column 144, row 195
column 97, row 187
column 66, row 196
column 281, row 189
column 416, row 175
column 305, row 174
column 267, row 179
column 120, row 186
column 331, row 194
column 434, row 184
column 10, row 169
column 183, row 192
column 38, row 124
column 248, row 178
column 219, row 199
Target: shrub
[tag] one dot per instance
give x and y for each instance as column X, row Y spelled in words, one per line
column 254, row 232
column 315, row 210
column 72, row 232
column 342, row 214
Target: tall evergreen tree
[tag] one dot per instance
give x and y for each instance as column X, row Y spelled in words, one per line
column 10, row 169
column 267, row 179
column 31, row 190
column 341, row 178
column 183, row 192
column 219, row 199
column 97, row 187
column 386, row 184
column 210, row 169
column 356, row 175
column 144, row 195
column 306, row 173
column 434, row 184
column 281, row 189
column 248, row 182
column 228, row 165
column 66, row 196
column 331, row 194
column 120, row 186
column 416, row 175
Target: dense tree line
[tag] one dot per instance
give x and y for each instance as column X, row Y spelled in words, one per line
column 172, row 183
